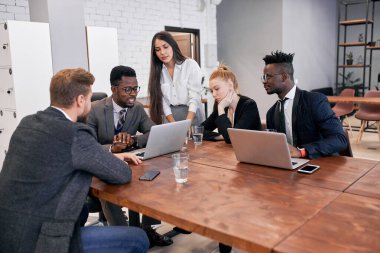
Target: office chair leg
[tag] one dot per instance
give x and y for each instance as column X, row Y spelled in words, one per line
column 361, row 132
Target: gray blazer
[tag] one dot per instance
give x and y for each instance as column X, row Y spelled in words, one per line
column 101, row 120
column 45, row 179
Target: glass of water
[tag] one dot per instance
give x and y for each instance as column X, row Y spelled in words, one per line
column 197, row 132
column 180, row 167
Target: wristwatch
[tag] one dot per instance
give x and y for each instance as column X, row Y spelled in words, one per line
column 135, row 141
column 303, row 152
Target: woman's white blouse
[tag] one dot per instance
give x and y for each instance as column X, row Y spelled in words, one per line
column 184, row 89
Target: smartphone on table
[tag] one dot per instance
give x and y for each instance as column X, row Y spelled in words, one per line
column 149, row 175
column 308, row 169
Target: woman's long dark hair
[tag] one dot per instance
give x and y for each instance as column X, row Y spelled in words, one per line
column 154, row 87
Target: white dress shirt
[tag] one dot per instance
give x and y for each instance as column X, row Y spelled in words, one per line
column 288, row 106
column 64, row 113
column 184, row 89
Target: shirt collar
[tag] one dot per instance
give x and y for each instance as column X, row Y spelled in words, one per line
column 64, row 113
column 179, row 66
column 291, row 93
column 117, row 108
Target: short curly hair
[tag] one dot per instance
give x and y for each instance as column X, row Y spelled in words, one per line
column 282, row 59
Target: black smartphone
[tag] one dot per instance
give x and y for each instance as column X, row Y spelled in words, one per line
column 149, row 175
column 309, row 169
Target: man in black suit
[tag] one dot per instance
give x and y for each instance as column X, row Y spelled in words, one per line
column 116, row 136
column 311, row 127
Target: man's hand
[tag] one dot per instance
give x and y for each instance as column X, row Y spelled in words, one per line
column 128, row 157
column 121, row 141
column 294, row 152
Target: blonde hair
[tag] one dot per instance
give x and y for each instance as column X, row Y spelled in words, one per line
column 225, row 73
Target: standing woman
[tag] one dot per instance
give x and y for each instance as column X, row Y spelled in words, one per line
column 175, row 83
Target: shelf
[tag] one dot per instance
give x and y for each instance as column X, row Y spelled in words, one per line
column 356, row 22
column 374, row 47
column 354, row 66
column 352, row 44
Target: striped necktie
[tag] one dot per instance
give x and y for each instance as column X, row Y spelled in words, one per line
column 120, row 123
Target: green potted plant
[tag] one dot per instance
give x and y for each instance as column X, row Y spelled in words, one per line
column 350, row 58
column 350, row 82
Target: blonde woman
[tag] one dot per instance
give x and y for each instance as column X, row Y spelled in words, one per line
column 231, row 110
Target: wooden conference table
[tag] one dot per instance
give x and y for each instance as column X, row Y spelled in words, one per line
column 258, row 208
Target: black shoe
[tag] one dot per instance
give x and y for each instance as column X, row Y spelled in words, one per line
column 156, row 239
column 181, row 231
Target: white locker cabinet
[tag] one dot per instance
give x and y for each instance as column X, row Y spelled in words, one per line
column 5, row 56
column 7, row 98
column 3, row 152
column 25, row 73
column 8, row 123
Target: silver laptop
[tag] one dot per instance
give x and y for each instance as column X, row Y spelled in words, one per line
column 263, row 148
column 164, row 139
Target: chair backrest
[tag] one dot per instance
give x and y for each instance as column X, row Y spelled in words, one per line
column 341, row 108
column 98, row 96
column 347, row 151
column 347, row 92
column 371, row 108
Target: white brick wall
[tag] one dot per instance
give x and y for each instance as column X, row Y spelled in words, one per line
column 14, row 10
column 137, row 21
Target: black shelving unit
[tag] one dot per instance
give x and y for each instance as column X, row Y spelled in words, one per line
column 343, row 46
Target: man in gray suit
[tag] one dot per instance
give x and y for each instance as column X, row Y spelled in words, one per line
column 47, row 173
column 116, row 120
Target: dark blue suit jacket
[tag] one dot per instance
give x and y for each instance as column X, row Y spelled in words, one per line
column 315, row 126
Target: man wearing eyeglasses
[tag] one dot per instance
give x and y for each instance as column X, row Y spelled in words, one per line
column 116, row 120
column 311, row 127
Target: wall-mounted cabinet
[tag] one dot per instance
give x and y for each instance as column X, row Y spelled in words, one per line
column 25, row 73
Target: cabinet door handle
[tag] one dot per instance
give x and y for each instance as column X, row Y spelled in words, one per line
column 5, row 46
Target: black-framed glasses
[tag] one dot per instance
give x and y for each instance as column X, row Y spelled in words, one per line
column 266, row 77
column 129, row 89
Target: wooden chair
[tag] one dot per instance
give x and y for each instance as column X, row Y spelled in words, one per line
column 368, row 112
column 343, row 109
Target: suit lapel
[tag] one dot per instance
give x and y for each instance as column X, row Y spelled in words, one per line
column 108, row 115
column 128, row 119
column 294, row 116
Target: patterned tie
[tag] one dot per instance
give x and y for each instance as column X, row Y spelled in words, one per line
column 282, row 116
column 121, row 121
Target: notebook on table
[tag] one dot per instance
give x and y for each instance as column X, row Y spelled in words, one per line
column 263, row 148
column 164, row 139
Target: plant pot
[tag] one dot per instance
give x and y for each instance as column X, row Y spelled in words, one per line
column 349, row 62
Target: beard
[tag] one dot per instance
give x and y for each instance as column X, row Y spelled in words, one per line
column 82, row 119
